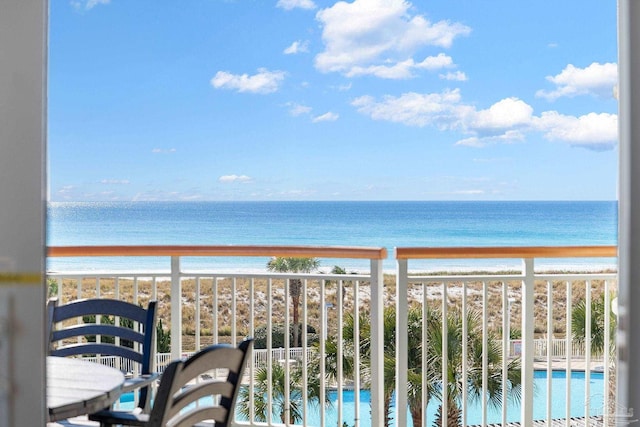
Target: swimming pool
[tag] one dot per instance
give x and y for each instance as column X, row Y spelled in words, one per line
column 474, row 415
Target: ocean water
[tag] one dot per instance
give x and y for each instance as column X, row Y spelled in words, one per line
column 378, row 224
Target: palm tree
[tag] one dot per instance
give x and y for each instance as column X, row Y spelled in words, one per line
column 578, row 330
column 345, row 283
column 454, row 368
column 294, row 265
column 294, row 409
column 598, row 313
column 434, row 358
column 364, row 346
column 414, row 361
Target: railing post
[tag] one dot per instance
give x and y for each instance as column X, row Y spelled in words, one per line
column 377, row 343
column 402, row 340
column 526, row 415
column 176, row 309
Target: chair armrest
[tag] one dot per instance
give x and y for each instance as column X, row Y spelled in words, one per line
column 108, row 418
column 134, row 383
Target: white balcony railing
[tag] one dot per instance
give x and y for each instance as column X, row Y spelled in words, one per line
column 534, row 297
column 224, row 307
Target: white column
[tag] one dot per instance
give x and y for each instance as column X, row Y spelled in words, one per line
column 628, row 341
column 377, row 343
column 23, row 51
column 176, row 309
column 402, row 341
column 526, row 404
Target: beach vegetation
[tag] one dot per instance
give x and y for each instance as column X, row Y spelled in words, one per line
column 285, row 409
column 598, row 315
column 224, row 331
column 163, row 338
column 52, row 288
column 434, row 348
column 278, row 334
column 474, row 367
column 344, row 284
column 294, row 265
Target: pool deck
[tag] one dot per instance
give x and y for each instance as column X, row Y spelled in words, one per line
column 577, row 364
column 560, row 422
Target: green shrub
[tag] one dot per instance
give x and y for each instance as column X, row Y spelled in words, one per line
column 163, row 338
column 224, row 331
column 277, row 336
column 52, row 288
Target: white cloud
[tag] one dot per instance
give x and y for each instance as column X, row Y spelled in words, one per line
column 436, row 62
column 399, row 70
column 66, row 189
column 263, row 82
column 115, row 181
column 473, row 141
column 505, row 114
column 293, row 4
column 93, row 3
column 597, row 79
column 506, row 121
column 402, row 69
column 326, row 117
column 298, row 46
column 596, row 131
column 454, row 76
column 297, row 109
column 88, row 4
column 344, row 88
column 507, row 137
column 163, row 150
column 235, row 178
column 379, row 36
column 442, row 110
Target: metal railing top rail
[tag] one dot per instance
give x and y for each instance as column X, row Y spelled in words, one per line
column 506, row 252
column 221, row 250
column 336, row 251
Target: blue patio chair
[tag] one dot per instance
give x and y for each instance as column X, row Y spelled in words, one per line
column 189, row 394
column 74, row 329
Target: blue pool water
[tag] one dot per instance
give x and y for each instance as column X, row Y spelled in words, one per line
column 474, row 415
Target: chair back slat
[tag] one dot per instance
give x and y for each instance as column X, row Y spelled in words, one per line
column 197, row 415
column 102, row 306
column 102, row 349
column 73, row 329
column 184, row 399
column 200, row 390
column 183, row 387
column 92, row 329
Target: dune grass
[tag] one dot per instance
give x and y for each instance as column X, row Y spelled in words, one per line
column 236, row 297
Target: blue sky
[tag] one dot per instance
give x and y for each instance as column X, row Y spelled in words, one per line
column 325, row 100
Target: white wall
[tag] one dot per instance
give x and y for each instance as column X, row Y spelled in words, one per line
column 23, row 26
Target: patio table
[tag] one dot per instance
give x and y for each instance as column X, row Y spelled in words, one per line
column 77, row 387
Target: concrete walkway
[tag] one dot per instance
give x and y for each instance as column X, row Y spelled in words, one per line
column 577, row 364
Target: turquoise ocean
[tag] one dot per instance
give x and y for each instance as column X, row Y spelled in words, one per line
column 378, row 224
